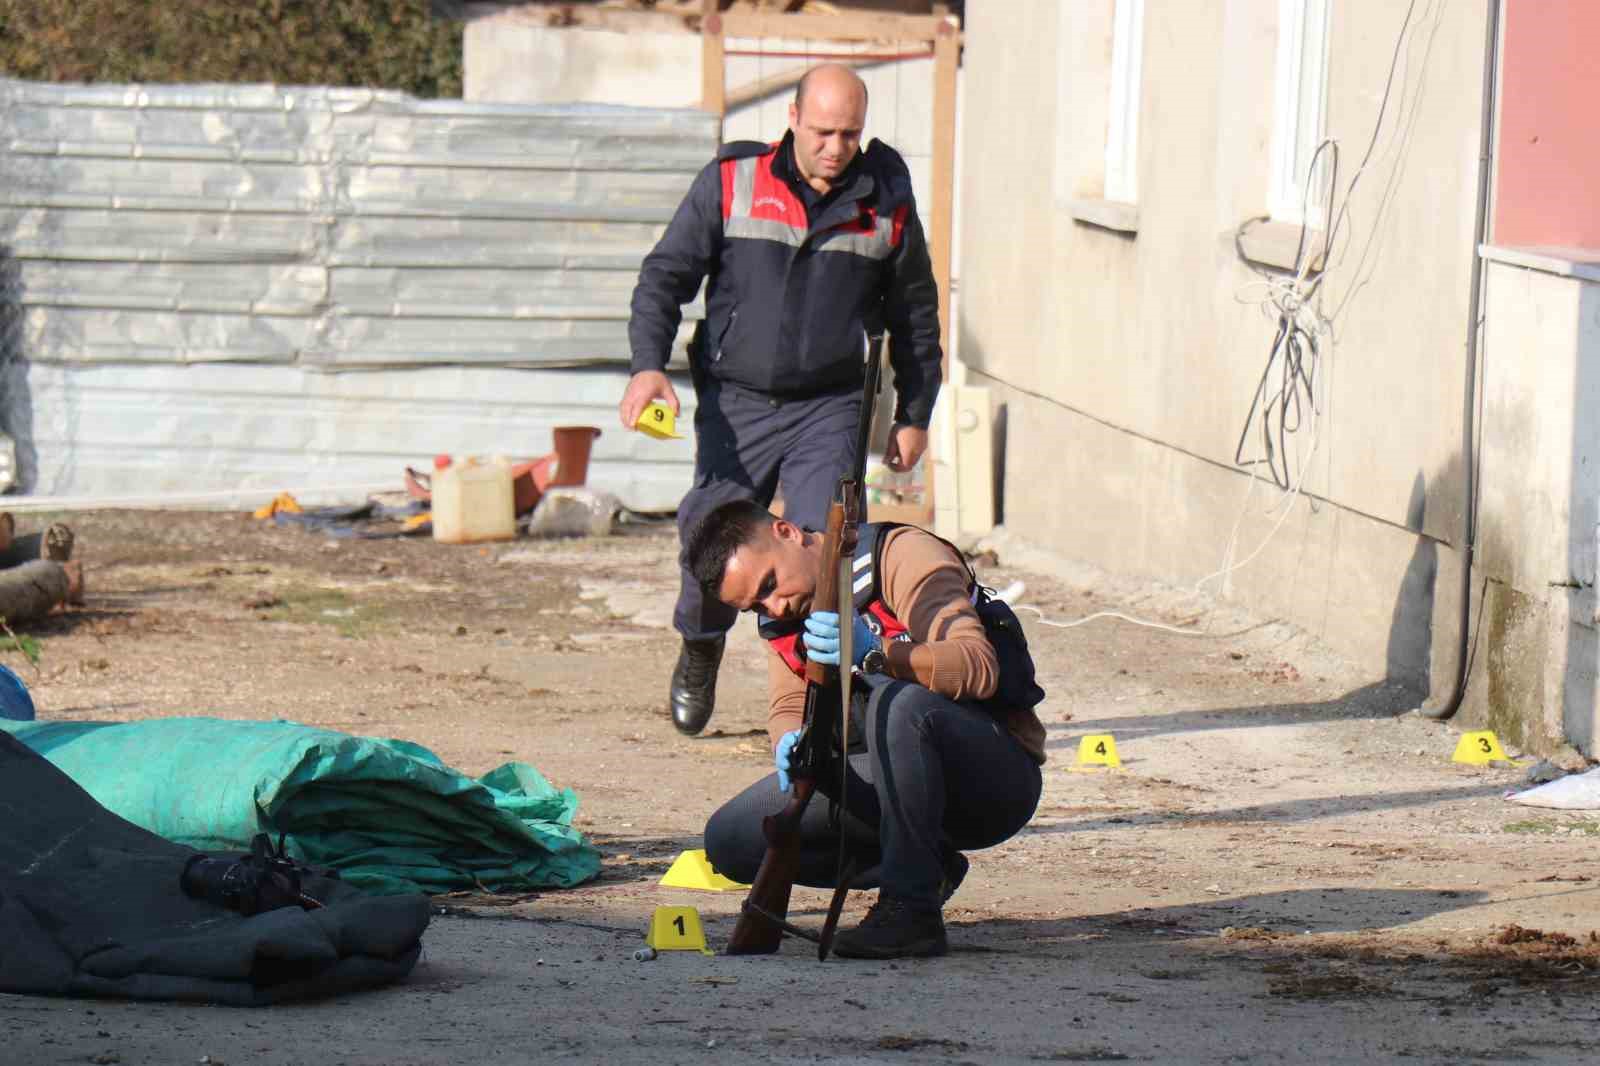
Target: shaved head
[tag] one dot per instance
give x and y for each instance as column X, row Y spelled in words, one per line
column 827, row 116
column 830, row 79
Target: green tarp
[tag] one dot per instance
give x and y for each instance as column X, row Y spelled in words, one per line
column 387, row 814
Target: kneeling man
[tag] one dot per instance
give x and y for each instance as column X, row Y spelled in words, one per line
column 946, row 754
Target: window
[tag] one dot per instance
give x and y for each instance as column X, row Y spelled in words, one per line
column 1302, row 82
column 1099, row 57
column 1122, row 128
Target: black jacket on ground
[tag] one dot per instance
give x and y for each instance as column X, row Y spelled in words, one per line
column 787, row 300
column 92, row 905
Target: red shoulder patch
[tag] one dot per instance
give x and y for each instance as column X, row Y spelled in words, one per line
column 788, row 648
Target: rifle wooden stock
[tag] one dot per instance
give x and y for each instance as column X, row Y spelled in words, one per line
column 755, row 933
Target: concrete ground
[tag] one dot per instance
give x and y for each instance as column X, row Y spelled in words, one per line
column 1288, row 865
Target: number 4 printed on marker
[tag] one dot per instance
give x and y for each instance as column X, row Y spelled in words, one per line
column 1098, row 750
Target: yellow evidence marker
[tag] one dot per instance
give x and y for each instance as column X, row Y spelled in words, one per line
column 1479, row 749
column 677, row 929
column 693, row 870
column 1099, row 750
column 658, row 421
column 281, row 502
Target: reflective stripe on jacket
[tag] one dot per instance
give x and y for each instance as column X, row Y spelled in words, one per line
column 759, row 205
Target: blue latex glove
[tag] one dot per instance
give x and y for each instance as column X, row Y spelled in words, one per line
column 822, row 638
column 780, row 757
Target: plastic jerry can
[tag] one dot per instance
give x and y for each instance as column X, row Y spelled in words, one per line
column 472, row 501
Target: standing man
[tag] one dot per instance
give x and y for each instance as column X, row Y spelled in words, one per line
column 803, row 245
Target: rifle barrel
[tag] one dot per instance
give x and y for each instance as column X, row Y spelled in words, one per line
column 869, row 396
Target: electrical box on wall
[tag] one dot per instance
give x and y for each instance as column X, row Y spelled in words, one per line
column 963, row 477
column 975, row 459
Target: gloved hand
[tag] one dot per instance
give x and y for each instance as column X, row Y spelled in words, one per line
column 780, row 757
column 822, row 638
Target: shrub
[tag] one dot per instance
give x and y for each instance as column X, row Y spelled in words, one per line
column 388, row 44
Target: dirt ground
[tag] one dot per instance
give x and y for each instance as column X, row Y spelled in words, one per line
column 1288, row 866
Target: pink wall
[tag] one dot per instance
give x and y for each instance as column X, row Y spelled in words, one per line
column 1548, row 184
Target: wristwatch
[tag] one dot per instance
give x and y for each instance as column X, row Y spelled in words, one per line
column 875, row 662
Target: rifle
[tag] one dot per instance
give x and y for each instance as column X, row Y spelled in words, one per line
column 824, row 730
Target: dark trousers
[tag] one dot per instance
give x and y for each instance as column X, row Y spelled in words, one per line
column 747, row 445
column 936, row 777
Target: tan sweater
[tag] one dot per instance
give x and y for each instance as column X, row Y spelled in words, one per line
column 925, row 586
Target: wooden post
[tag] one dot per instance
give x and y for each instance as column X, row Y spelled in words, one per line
column 713, row 73
column 843, row 26
column 946, row 55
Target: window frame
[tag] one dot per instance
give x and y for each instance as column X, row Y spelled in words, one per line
column 1122, row 112
column 1299, row 111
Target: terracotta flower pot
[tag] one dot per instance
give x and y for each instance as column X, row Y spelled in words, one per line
column 528, row 482
column 572, row 450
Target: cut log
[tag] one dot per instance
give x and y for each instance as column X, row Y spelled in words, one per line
column 57, row 546
column 54, row 544
column 30, row 591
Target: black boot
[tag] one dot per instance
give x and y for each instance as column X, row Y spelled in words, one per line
column 694, row 684
column 955, row 871
column 894, row 929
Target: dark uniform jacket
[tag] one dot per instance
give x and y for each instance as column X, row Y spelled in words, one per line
column 787, row 299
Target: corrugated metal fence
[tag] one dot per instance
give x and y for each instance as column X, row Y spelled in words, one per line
column 292, row 232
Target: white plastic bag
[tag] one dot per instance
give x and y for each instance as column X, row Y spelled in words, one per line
column 1575, row 792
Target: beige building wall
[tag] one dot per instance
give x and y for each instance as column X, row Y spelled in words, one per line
column 1127, row 361
column 1540, row 502
column 516, row 57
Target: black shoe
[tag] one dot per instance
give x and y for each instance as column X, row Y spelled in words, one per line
column 955, row 871
column 694, row 684
column 894, row 929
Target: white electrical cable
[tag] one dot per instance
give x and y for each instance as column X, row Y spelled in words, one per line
column 1013, row 592
column 1114, row 614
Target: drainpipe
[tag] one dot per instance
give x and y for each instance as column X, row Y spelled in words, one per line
column 1469, row 402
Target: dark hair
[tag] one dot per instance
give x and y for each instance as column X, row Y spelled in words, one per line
column 714, row 539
